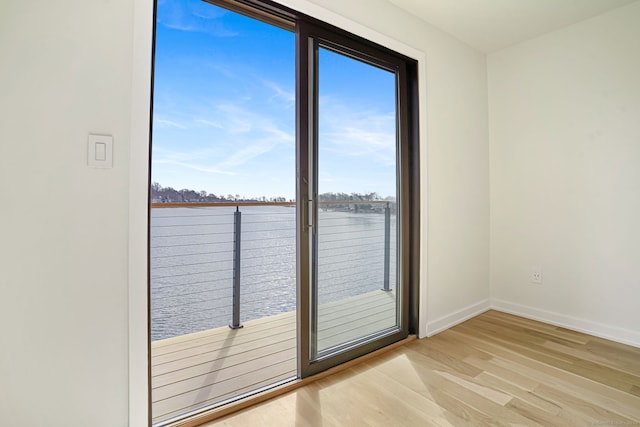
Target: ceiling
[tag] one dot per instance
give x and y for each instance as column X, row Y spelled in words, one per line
column 490, row 25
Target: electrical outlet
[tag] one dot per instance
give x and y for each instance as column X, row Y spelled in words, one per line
column 536, row 275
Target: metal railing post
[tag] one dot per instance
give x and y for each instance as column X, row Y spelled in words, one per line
column 237, row 222
column 387, row 246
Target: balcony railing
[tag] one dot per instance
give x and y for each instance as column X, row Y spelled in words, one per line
column 224, row 263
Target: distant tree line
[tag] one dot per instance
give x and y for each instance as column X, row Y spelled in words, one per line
column 340, row 198
column 160, row 194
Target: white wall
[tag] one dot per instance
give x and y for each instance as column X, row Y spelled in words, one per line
column 66, row 71
column 565, row 175
column 456, row 178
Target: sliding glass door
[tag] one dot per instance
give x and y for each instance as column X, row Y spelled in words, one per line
column 352, row 178
column 284, row 214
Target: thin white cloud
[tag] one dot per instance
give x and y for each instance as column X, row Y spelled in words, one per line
column 194, row 17
column 281, row 93
column 350, row 131
column 237, row 136
column 164, row 123
column 243, row 155
column 227, row 69
column 251, row 133
column 193, row 166
column 209, row 123
column 358, row 145
column 265, row 138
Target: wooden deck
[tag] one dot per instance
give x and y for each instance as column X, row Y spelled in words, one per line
column 193, row 371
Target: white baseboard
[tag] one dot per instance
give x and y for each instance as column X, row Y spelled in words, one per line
column 459, row 316
column 621, row 335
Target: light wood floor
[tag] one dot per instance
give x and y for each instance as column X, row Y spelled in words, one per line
column 495, row 369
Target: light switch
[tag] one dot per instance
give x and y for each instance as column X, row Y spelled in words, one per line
column 100, row 151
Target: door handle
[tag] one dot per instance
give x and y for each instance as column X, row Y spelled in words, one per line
column 310, row 214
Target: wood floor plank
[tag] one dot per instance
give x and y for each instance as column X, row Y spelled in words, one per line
column 222, row 389
column 528, row 397
column 392, row 368
column 467, row 399
column 183, row 342
column 581, row 408
column 580, row 360
column 233, row 337
column 535, row 414
column 598, row 393
column 439, row 351
column 217, row 362
column 229, row 354
column 179, row 405
column 384, row 396
column 215, row 377
column 567, row 362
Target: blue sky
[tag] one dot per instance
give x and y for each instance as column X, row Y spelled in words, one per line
column 224, row 109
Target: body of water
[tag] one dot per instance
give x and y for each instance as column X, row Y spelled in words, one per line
column 192, row 263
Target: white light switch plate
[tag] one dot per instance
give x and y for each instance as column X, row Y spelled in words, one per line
column 100, row 151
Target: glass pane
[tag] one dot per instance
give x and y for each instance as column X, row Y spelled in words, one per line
column 356, row 273
column 224, row 137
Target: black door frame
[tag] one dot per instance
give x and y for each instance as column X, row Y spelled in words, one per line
column 310, row 35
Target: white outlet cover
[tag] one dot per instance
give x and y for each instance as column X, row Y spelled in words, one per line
column 536, row 275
